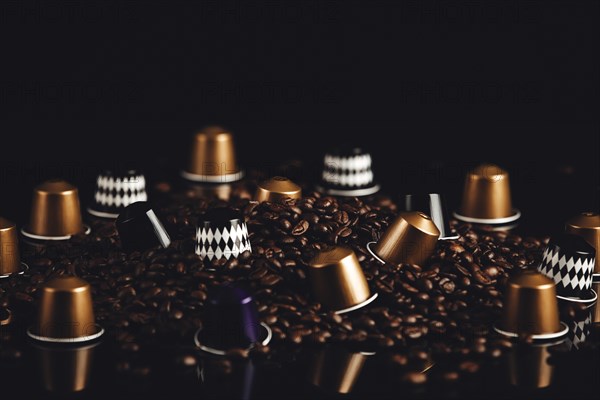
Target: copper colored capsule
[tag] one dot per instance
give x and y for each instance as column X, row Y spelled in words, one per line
column 587, row 225
column 66, row 313
column 529, row 368
column 531, row 308
column 487, row 199
column 5, row 316
column 55, row 212
column 277, row 189
column 338, row 281
column 336, row 370
column 213, row 158
column 10, row 259
column 595, row 308
column 410, row 239
column 65, row 369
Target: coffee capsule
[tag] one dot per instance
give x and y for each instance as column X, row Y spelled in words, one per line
column 410, row 239
column 66, row 313
column 5, row 316
column 222, row 233
column 230, row 321
column 65, row 369
column 579, row 329
column 277, row 189
column 487, row 199
column 348, row 172
column 338, row 281
column 140, row 229
column 569, row 261
column 587, row 225
column 55, row 212
column 10, row 259
column 529, row 366
column 595, row 307
column 336, row 369
column 213, row 158
column 431, row 204
column 531, row 308
column 114, row 191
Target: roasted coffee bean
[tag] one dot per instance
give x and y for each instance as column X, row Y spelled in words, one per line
column 301, row 228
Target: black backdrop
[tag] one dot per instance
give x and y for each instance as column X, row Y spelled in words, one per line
column 430, row 87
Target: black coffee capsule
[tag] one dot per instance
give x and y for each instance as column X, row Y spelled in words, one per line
column 140, row 229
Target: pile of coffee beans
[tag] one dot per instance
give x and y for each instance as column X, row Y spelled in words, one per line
column 441, row 310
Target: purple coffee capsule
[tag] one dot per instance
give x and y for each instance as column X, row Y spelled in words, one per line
column 140, row 229
column 230, row 321
column 569, row 261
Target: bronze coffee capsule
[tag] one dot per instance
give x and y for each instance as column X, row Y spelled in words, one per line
column 587, row 225
column 528, row 366
column 55, row 212
column 595, row 307
column 10, row 259
column 338, row 281
column 5, row 316
column 277, row 189
column 410, row 239
column 65, row 369
column 487, row 199
column 66, row 313
column 336, row 369
column 531, row 308
column 213, row 158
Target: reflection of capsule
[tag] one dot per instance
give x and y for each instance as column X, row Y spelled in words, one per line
column 334, row 369
column 528, row 366
column 579, row 330
column 65, row 369
column 226, row 379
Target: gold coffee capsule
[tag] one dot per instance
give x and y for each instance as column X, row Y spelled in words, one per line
column 66, row 313
column 335, row 369
column 338, row 281
column 10, row 259
column 5, row 316
column 528, row 367
column 65, row 370
column 55, row 212
column 276, row 189
column 213, row 158
column 486, row 197
column 587, row 225
column 410, row 239
column 531, row 308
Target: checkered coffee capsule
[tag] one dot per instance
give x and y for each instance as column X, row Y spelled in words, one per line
column 140, row 229
column 222, row 233
column 587, row 225
column 348, row 172
column 114, row 191
column 569, row 261
column 579, row 330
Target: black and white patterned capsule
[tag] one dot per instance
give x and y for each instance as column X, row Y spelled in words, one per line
column 114, row 191
column 569, row 261
column 222, row 233
column 348, row 172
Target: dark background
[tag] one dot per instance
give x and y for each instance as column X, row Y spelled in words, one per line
column 431, row 87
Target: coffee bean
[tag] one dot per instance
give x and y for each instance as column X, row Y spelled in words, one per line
column 300, row 228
